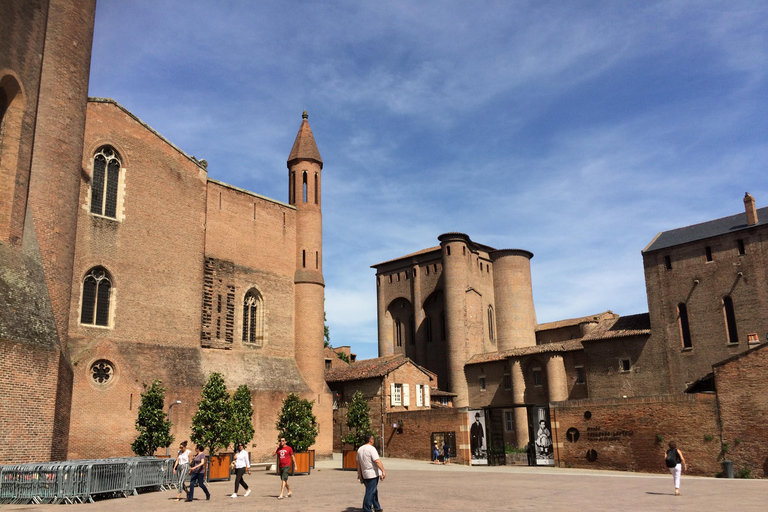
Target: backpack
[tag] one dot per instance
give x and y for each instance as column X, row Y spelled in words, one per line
column 671, row 458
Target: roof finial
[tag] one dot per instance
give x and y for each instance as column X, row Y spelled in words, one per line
column 304, row 115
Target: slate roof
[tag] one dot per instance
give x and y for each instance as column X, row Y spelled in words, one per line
column 704, row 230
column 370, row 368
column 304, row 147
column 620, row 327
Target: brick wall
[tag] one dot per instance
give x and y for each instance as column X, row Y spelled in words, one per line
column 415, row 440
column 605, row 378
column 632, row 434
column 28, row 405
column 741, row 384
column 716, row 279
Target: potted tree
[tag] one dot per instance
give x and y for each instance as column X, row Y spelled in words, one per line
column 359, row 424
column 241, row 427
column 298, row 426
column 212, row 424
column 152, row 423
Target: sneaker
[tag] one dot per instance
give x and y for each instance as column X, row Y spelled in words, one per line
column 233, row 495
column 247, row 492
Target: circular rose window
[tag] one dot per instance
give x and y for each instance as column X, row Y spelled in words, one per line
column 102, row 371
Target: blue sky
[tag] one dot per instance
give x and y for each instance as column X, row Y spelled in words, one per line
column 575, row 130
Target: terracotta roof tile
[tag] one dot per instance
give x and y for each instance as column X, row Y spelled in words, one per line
column 620, row 327
column 366, row 369
column 440, row 392
column 417, row 253
column 560, row 346
column 575, row 321
column 304, row 147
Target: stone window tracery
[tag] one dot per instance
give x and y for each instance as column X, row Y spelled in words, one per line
column 97, row 291
column 253, row 318
column 104, row 186
column 102, row 371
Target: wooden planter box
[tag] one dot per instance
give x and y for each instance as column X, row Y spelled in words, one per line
column 302, row 464
column 349, row 460
column 312, row 459
column 218, row 467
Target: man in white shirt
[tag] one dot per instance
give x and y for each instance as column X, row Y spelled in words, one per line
column 369, row 470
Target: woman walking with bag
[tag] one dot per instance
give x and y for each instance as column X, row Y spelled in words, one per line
column 181, row 468
column 242, row 464
column 675, row 462
column 198, row 474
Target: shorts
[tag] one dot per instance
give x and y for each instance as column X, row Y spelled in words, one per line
column 284, row 473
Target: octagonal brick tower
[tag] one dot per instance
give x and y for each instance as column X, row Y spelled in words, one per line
column 304, row 176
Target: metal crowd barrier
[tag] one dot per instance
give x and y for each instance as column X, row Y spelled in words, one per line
column 79, row 481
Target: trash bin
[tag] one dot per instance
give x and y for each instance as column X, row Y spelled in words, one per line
column 728, row 468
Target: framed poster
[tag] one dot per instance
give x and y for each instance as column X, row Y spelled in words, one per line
column 478, row 441
column 542, row 436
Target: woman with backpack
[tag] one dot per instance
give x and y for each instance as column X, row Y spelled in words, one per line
column 675, row 462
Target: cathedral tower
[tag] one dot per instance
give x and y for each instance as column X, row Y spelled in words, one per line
column 304, row 177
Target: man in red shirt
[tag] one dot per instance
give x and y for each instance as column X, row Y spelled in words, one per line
column 285, row 456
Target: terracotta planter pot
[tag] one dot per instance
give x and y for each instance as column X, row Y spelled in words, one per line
column 218, row 467
column 349, row 460
column 302, row 464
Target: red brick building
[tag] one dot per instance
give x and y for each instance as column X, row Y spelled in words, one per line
column 407, row 408
column 123, row 262
column 465, row 311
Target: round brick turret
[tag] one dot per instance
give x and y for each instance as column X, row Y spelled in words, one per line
column 456, row 263
column 54, row 186
column 304, row 177
column 512, row 289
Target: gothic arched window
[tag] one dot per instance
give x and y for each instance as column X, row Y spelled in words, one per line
column 106, row 174
column 253, row 318
column 491, row 332
column 97, row 291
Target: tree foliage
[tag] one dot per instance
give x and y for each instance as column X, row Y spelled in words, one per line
column 358, row 421
column 211, row 424
column 326, row 331
column 344, row 357
column 296, row 423
column 153, row 424
column 242, row 412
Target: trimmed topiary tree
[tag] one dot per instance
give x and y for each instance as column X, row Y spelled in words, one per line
column 152, row 423
column 211, row 424
column 242, row 413
column 358, row 421
column 296, row 423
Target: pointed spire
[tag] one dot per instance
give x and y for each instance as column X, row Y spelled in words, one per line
column 304, row 148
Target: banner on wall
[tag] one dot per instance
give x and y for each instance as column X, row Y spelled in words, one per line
column 542, row 436
column 478, row 440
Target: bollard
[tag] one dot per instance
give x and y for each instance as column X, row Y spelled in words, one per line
column 728, row 468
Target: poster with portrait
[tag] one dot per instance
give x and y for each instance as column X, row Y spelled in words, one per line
column 478, row 440
column 545, row 454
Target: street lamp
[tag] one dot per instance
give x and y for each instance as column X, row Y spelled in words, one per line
column 167, row 454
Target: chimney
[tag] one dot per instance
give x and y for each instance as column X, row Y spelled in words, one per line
column 749, row 205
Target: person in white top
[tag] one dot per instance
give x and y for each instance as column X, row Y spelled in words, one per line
column 242, row 464
column 181, row 468
column 369, row 471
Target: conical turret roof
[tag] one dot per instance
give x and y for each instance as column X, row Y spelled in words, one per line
column 304, row 148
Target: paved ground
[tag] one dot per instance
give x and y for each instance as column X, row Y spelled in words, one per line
column 418, row 486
